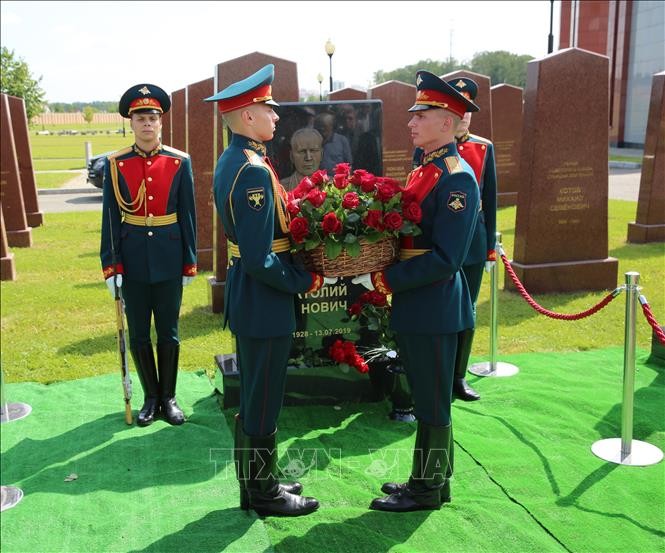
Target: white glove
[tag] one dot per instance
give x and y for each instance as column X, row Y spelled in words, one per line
column 489, row 265
column 187, row 280
column 329, row 280
column 111, row 286
column 365, row 280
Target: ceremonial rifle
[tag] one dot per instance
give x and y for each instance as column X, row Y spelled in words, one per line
column 122, row 341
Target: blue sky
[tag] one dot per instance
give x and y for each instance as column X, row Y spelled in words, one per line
column 88, row 51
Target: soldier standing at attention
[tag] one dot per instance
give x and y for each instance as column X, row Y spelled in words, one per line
column 478, row 152
column 431, row 303
column 148, row 244
column 261, row 284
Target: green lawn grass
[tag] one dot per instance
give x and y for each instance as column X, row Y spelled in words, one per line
column 72, row 147
column 58, row 164
column 47, row 181
column 58, row 317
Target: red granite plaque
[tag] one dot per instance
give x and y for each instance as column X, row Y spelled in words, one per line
column 348, row 94
column 7, row 266
column 28, row 185
column 166, row 128
column 649, row 225
column 561, row 224
column 507, row 129
column 481, row 121
column 19, row 234
column 200, row 136
column 397, row 98
column 179, row 119
column 284, row 89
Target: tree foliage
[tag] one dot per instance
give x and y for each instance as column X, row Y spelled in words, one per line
column 76, row 107
column 88, row 114
column 16, row 80
column 500, row 66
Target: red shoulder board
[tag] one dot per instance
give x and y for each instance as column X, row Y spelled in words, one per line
column 474, row 153
column 422, row 180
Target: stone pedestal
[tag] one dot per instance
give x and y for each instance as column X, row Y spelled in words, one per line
column 649, row 225
column 397, row 98
column 561, row 239
column 507, row 128
column 7, row 266
column 19, row 234
column 22, row 143
column 481, row 121
column 200, row 137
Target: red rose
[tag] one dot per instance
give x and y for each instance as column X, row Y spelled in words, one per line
column 368, row 183
column 360, row 365
column 412, row 212
column 340, row 181
column 385, row 191
column 331, row 224
column 303, row 188
column 316, row 197
column 318, row 177
column 408, row 196
column 293, row 206
column 357, row 176
column 299, row 228
column 342, row 169
column 393, row 220
column 336, row 352
column 355, row 309
column 373, row 219
column 377, row 298
column 350, row 200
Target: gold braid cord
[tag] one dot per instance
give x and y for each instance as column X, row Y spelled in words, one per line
column 128, row 207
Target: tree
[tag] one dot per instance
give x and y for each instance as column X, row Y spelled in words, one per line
column 16, row 80
column 407, row 74
column 501, row 67
column 88, row 114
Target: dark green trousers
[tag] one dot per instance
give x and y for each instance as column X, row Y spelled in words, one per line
column 262, row 366
column 143, row 301
column 429, row 362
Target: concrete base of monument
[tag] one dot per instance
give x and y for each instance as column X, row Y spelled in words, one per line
column 19, row 238
column 8, row 268
column 35, row 219
column 504, row 199
column 572, row 276
column 641, row 234
column 216, row 294
column 204, row 259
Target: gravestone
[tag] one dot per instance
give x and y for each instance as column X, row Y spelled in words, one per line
column 7, row 266
column 284, row 89
column 166, row 128
column 649, row 225
column 200, row 135
column 481, row 121
column 28, row 185
column 397, row 98
column 19, row 234
column 179, row 119
column 507, row 131
column 561, row 223
column 347, row 94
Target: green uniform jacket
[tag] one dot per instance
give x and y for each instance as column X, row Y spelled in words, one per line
column 260, row 284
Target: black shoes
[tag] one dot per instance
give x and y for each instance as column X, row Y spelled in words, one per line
column 461, row 390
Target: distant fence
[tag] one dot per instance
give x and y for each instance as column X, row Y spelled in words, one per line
column 75, row 118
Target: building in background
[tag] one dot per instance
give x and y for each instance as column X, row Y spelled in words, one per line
column 632, row 35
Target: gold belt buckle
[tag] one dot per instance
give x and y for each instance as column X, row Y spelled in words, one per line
column 149, row 221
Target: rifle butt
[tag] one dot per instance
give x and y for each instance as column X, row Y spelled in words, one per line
column 128, row 414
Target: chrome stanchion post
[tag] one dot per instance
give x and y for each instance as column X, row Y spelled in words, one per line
column 10, row 495
column 625, row 450
column 494, row 367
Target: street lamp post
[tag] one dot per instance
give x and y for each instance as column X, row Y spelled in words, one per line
column 330, row 50
column 550, row 37
column 319, row 78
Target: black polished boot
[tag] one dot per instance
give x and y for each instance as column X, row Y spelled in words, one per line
column 461, row 389
column 394, row 487
column 167, row 365
column 424, row 489
column 259, row 468
column 238, row 452
column 144, row 361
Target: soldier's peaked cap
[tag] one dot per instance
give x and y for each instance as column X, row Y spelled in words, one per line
column 255, row 89
column 146, row 98
column 433, row 92
column 467, row 87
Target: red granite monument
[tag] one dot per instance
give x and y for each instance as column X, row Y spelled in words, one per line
column 179, row 120
column 561, row 241
column 649, row 225
column 348, row 93
column 7, row 266
column 507, row 128
column 481, row 122
column 397, row 98
column 19, row 234
column 28, row 184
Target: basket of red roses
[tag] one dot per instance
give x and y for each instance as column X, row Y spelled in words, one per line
column 350, row 223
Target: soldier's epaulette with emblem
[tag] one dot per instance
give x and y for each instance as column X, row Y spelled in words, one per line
column 175, row 151
column 480, row 138
column 254, row 159
column 453, row 164
column 119, row 153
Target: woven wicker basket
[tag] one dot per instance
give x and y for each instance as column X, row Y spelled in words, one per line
column 373, row 257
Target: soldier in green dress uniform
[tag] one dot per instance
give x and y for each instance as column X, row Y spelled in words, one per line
column 261, row 284
column 431, row 303
column 148, row 244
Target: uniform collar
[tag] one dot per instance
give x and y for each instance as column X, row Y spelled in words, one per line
column 140, row 152
column 463, row 138
column 248, row 143
column 441, row 152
